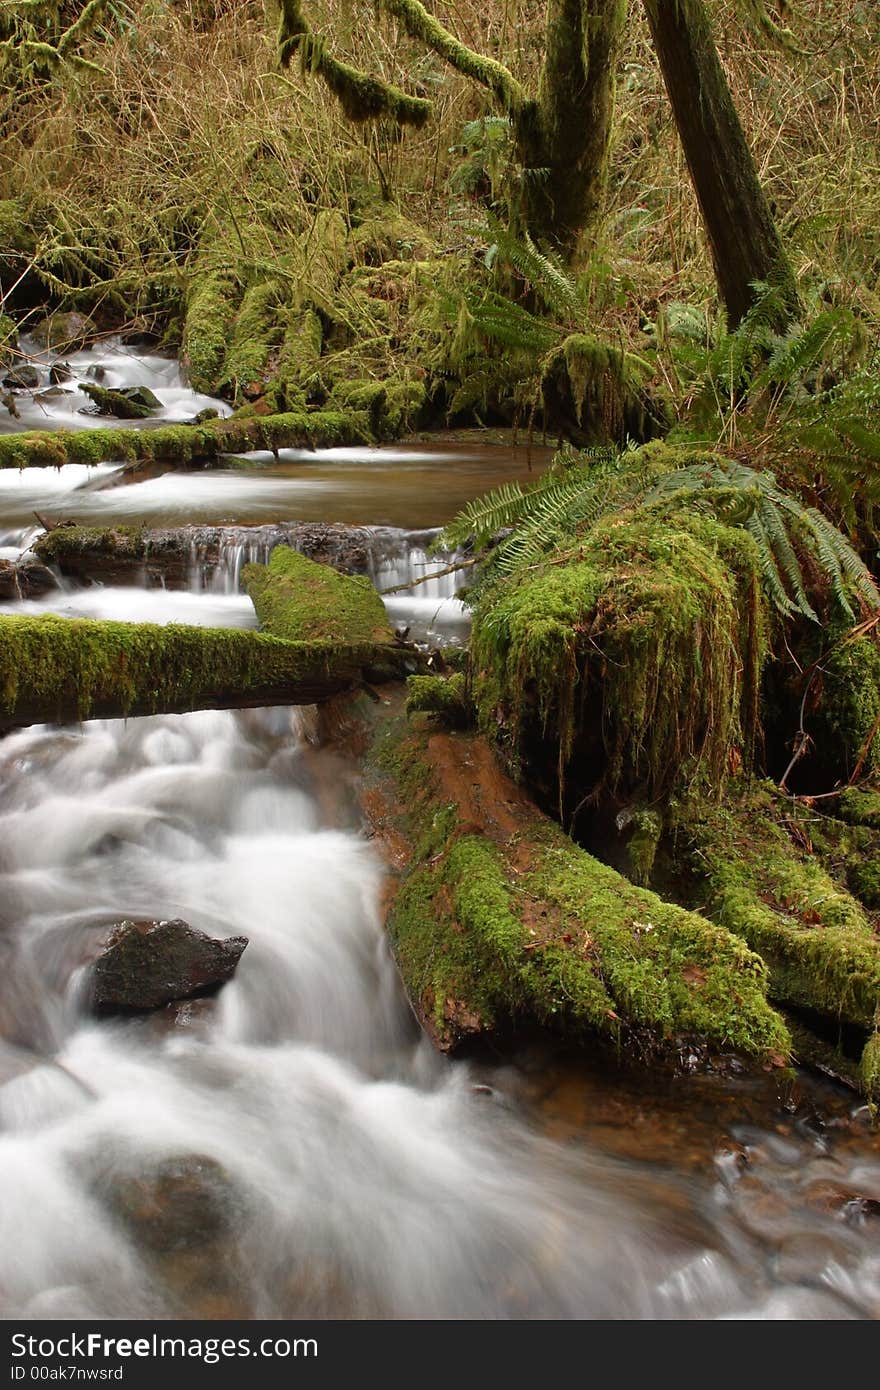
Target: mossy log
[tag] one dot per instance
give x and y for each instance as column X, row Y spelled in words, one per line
column 60, row 670
column 181, row 446
column 165, row 555
column 498, row 918
column 775, row 882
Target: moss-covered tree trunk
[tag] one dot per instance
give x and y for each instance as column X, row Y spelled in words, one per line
column 61, row 670
column 563, row 140
column 742, row 235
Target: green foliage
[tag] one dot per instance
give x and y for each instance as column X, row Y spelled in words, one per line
column 808, row 397
column 797, row 547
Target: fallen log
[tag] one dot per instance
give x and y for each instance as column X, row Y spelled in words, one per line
column 166, row 556
column 498, row 918
column 326, row 631
column 62, row 670
column 182, row 446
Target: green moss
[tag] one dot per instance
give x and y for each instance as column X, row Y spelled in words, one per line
column 445, row 697
column 255, row 334
column 648, row 641
column 642, row 847
column 490, row 930
column 298, row 368
column 859, row 807
column 56, row 669
column 870, row 1068
column 183, row 444
column 849, row 713
column 300, row 600
column 601, row 387
column 211, row 304
column 59, row 545
column 391, row 237
column 821, row 949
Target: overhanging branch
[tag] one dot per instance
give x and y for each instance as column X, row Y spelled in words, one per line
column 361, row 96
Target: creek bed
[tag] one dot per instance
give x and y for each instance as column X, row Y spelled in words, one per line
column 297, row 1147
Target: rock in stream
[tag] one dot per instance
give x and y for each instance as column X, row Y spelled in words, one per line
column 145, row 964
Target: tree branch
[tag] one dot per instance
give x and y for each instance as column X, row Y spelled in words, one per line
column 362, row 97
column 419, row 24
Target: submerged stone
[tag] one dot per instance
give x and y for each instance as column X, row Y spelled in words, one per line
column 146, row 964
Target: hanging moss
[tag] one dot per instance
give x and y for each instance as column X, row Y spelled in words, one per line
column 847, row 718
column 601, row 391
column 300, row 600
column 500, row 918
column 360, row 95
column 297, row 371
column 642, row 847
column 211, row 306
column 640, row 651
column 256, row 333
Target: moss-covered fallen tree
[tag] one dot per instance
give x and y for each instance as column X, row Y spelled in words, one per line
column 60, row 670
column 179, row 446
column 498, row 918
column 325, row 630
column 784, row 899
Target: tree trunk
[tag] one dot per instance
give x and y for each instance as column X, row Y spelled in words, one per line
column 743, row 238
column 564, row 138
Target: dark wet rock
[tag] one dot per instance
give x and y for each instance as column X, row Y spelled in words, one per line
column 62, row 331
column 204, row 415
column 129, row 404
column 146, row 964
column 22, row 378
column 59, row 372
column 141, row 395
column 180, row 1203
column 25, row 578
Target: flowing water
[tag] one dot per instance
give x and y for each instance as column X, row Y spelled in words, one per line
column 293, row 1146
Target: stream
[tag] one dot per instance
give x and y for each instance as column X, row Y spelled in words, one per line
column 293, row 1147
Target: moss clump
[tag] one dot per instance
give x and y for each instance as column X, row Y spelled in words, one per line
column 390, row 237
column 859, row 807
column 211, row 305
column 500, row 917
column 870, row 1068
column 637, row 653
column 602, row 390
column 445, row 697
column 300, row 600
column 256, row 333
column 642, row 847
column 848, row 716
column 821, row 948
column 59, row 546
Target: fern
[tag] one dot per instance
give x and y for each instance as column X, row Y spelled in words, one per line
column 791, row 539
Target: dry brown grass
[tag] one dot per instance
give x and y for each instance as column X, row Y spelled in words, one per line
column 126, row 166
